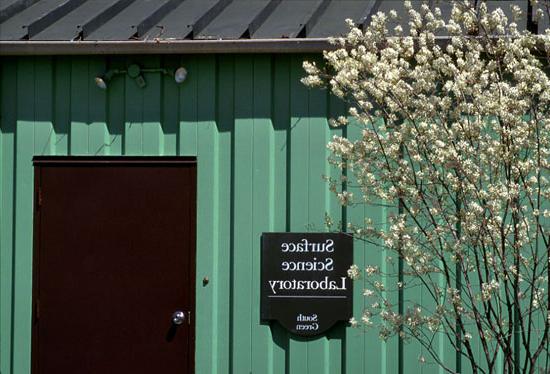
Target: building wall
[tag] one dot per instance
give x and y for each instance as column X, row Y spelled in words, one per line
column 259, row 136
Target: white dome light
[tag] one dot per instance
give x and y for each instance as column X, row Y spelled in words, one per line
column 100, row 83
column 180, row 75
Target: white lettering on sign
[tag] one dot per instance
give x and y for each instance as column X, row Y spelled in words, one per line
column 313, row 326
column 306, row 318
column 326, row 265
column 305, row 246
column 294, row 284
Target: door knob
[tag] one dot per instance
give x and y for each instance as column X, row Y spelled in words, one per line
column 178, row 317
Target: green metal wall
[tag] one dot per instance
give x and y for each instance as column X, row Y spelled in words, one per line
column 259, row 137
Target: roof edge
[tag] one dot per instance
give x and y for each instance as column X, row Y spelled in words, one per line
column 171, row 46
column 86, row 47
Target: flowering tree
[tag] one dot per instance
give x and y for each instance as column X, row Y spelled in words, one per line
column 456, row 136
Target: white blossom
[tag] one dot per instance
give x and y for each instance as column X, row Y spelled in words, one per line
column 368, row 292
column 354, row 272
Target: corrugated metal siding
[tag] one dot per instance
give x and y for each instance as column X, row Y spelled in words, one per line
column 259, row 136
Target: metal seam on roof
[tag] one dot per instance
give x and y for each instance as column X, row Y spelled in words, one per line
column 69, row 26
column 263, row 16
column 103, row 17
column 174, row 23
column 17, row 26
column 124, row 26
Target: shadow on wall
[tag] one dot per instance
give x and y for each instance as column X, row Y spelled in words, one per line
column 152, row 114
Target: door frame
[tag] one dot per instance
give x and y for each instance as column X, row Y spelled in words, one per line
column 39, row 162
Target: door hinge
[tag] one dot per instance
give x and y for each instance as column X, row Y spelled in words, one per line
column 189, row 318
column 37, row 311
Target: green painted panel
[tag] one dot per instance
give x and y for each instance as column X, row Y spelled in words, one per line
column 224, row 250
column 188, row 116
column 336, row 357
column 153, row 137
column 97, row 111
column 298, row 190
column 207, row 190
column 61, row 96
column 263, row 186
column 44, row 132
column 260, row 140
column 23, row 216
column 133, row 121
column 79, row 103
column 242, row 216
column 318, row 205
column 116, row 114
column 278, row 359
column 356, row 344
column 7, row 190
column 169, row 107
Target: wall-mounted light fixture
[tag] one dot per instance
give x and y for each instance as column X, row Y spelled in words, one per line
column 135, row 72
column 180, row 74
column 102, row 80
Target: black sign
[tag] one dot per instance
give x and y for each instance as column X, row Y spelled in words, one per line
column 304, row 280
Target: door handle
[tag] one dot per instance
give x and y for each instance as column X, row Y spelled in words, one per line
column 178, row 317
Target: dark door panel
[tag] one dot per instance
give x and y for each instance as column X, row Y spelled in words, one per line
column 114, row 258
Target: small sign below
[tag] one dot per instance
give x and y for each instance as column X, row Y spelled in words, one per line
column 304, row 280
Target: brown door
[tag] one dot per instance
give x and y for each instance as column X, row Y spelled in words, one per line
column 114, row 259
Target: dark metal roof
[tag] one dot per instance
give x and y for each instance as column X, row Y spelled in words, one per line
column 32, row 25
column 331, row 20
column 234, row 20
